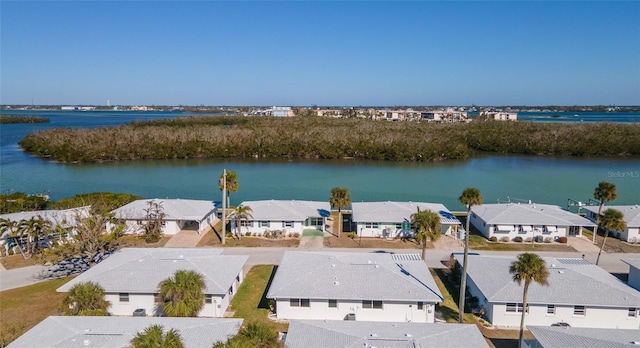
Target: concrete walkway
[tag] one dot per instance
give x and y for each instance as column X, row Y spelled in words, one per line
column 311, row 242
column 186, row 239
column 582, row 245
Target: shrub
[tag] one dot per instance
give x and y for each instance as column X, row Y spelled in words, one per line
column 504, row 239
column 562, row 240
column 351, row 235
column 493, row 239
column 548, row 239
column 267, row 234
column 529, row 239
column 296, row 235
column 248, row 234
column 517, row 239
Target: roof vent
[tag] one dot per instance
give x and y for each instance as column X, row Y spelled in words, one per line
column 336, row 282
column 635, row 343
column 561, row 272
column 553, row 265
column 86, row 342
column 333, row 265
column 369, row 261
column 182, row 256
column 377, row 265
column 407, row 335
column 373, row 335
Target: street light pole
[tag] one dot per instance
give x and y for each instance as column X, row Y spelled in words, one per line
column 224, row 204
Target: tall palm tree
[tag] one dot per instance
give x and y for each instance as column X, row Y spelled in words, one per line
column 528, row 268
column 154, row 336
column 242, row 212
column 232, row 184
column 86, row 299
column 12, row 229
column 427, row 226
column 612, row 220
column 470, row 196
column 182, row 294
column 340, row 198
column 32, row 230
column 605, row 192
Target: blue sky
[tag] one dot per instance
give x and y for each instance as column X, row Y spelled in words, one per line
column 322, row 53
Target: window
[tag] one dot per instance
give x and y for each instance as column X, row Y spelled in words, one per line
column 420, row 306
column 333, row 303
column 208, row 298
column 263, row 224
column 370, row 225
column 515, row 308
column 398, row 226
column 299, row 302
column 231, row 290
column 313, row 221
column 246, row 223
column 551, row 309
column 633, row 312
column 287, row 223
column 372, row 304
column 579, row 310
column 124, row 297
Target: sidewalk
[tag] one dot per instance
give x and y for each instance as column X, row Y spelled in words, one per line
column 582, row 245
column 186, row 239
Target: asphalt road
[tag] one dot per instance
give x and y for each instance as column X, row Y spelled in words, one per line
column 612, row 263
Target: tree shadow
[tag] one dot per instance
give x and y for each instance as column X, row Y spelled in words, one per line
column 504, row 342
column 264, row 301
column 213, row 228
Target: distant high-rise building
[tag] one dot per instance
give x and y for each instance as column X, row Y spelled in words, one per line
column 108, row 102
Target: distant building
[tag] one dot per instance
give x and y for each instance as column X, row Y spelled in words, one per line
column 564, row 337
column 500, row 115
column 281, row 111
column 631, row 214
column 634, row 272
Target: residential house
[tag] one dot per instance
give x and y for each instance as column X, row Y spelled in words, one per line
column 510, row 220
column 130, row 278
column 634, row 272
column 579, row 294
column 117, row 332
column 179, row 214
column 354, row 286
column 578, row 337
column 631, row 214
column 393, row 219
column 500, row 115
column 281, row 111
column 289, row 217
column 352, row 334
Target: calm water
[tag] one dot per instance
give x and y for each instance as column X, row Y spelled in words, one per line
column 542, row 180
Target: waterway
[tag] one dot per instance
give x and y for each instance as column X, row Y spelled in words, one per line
column 499, row 178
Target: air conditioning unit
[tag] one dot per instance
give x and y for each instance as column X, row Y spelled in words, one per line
column 140, row 312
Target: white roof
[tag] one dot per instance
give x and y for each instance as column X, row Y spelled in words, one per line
column 635, row 263
column 528, row 214
column 117, row 332
column 571, row 282
column 631, row 212
column 140, row 270
column 397, row 212
column 292, row 210
column 349, row 276
column 348, row 334
column 63, row 217
column 174, row 209
column 563, row 337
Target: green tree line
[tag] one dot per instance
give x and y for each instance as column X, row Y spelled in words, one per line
column 325, row 138
column 8, row 119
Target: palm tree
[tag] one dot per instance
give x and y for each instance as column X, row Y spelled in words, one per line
column 34, row 229
column 605, row 192
column 528, row 267
column 470, row 196
column 232, row 184
column 182, row 294
column 612, row 220
column 154, row 336
column 427, row 227
column 241, row 212
column 12, row 229
column 86, row 299
column 340, row 198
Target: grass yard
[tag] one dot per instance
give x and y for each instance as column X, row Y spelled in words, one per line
column 312, row 233
column 23, row 308
column 477, row 242
column 250, row 301
column 372, row 243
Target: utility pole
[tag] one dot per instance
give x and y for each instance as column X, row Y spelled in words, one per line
column 224, row 203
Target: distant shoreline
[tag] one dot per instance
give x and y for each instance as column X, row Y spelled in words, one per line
column 10, row 119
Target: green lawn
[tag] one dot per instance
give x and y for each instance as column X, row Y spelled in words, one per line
column 250, row 301
column 312, row 233
column 477, row 242
column 449, row 306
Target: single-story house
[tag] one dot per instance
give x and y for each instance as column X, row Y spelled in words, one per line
column 130, row 278
column 178, row 214
column 634, row 272
column 631, row 217
column 352, row 334
column 567, row 337
column 117, row 332
column 66, row 219
column 512, row 220
column 354, row 286
column 579, row 294
column 287, row 216
column 393, row 219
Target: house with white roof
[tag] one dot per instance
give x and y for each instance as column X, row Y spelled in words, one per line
column 526, row 221
column 631, row 217
column 65, row 219
column 354, row 286
column 579, row 294
column 566, row 337
column 287, row 216
column 117, row 332
column 352, row 334
column 393, row 219
column 634, row 272
column 130, row 278
column 179, row 214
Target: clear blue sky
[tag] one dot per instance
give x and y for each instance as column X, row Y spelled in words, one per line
column 323, row 53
